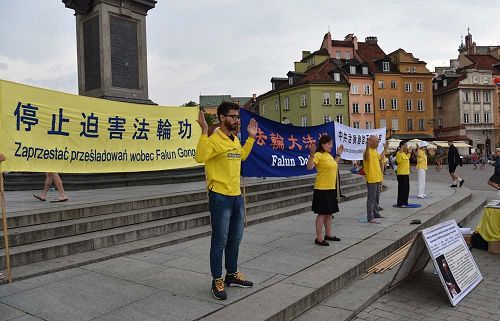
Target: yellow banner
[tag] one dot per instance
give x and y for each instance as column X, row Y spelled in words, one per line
column 47, row 131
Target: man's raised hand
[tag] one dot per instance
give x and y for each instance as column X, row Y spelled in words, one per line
column 203, row 122
column 252, row 128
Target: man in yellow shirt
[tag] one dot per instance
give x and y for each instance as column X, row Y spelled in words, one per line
column 372, row 164
column 222, row 154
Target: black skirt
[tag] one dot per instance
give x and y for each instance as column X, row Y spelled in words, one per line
column 325, row 201
column 495, row 179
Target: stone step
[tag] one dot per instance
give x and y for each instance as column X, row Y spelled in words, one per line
column 92, row 255
column 91, row 240
column 348, row 301
column 69, row 212
column 291, row 297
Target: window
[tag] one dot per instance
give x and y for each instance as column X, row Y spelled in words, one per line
column 368, row 108
column 487, row 118
column 445, row 82
column 486, row 97
column 352, row 70
column 355, row 108
column 421, row 124
column 409, row 124
column 413, row 69
column 368, row 89
column 420, row 105
column 303, row 121
column 347, row 55
column 263, row 109
column 326, row 98
column 287, row 102
column 365, row 70
column 274, row 86
column 409, row 105
column 327, row 118
column 477, row 118
column 336, row 76
column 368, row 125
column 438, row 101
column 337, row 55
column 394, row 103
column 340, row 119
column 290, row 80
column 385, row 66
column 338, row 98
column 466, row 118
column 276, row 106
column 303, row 100
column 395, row 123
column 440, row 123
column 354, row 89
column 466, row 96
column 393, row 84
column 355, row 124
column 408, row 87
column 383, row 122
column 476, row 96
column 381, row 103
column 311, row 61
column 381, row 84
column 420, row 87
column 435, row 85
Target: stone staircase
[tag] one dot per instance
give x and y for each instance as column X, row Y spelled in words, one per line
column 120, row 227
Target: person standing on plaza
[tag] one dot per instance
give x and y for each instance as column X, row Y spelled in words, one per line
column 494, row 181
column 403, row 174
column 372, row 164
column 222, row 154
column 453, row 162
column 49, row 179
column 421, row 168
column 325, row 202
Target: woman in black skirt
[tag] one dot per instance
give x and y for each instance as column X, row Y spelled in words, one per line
column 325, row 196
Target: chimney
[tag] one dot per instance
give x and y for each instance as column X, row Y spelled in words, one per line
column 352, row 39
column 305, row 54
column 371, row 40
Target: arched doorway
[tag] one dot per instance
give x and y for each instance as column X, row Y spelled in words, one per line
column 487, row 144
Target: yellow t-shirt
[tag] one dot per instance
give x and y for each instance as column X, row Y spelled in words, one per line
column 372, row 167
column 326, row 167
column 403, row 161
column 421, row 160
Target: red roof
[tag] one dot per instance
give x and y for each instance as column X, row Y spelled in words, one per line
column 342, row 43
column 482, row 62
column 370, row 52
column 319, row 72
column 452, row 84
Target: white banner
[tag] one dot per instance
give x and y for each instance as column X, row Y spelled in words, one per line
column 354, row 140
column 456, row 267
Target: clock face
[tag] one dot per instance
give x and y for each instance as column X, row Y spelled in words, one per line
column 486, row 79
column 474, row 78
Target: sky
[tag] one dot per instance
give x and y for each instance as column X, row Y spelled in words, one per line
column 215, row 47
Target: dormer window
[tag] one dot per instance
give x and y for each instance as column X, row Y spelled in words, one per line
column 274, row 86
column 336, row 76
column 435, row 85
column 290, row 80
column 445, row 82
column 385, row 66
column 353, row 70
column 365, row 70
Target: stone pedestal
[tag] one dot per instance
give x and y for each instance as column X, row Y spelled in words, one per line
column 111, row 45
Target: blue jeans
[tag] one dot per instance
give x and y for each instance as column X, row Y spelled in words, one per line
column 227, row 219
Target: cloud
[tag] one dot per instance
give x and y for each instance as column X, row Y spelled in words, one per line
column 4, row 66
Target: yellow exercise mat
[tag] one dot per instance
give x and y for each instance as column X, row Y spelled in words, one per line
column 489, row 224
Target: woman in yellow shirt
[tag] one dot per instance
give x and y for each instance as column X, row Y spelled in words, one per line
column 325, row 201
column 403, row 174
column 421, row 168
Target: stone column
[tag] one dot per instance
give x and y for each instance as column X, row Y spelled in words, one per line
column 111, row 48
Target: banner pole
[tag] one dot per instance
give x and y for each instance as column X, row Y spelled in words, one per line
column 5, row 230
column 245, row 201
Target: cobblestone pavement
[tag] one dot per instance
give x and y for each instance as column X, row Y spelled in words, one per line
column 423, row 297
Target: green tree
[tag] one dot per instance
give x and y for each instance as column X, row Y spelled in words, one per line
column 190, row 104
